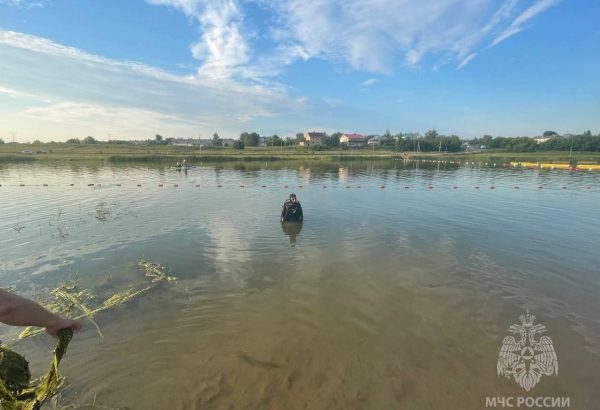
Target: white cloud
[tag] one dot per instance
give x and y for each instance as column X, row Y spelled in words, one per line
column 518, row 24
column 12, row 93
column 76, row 113
column 370, row 82
column 232, row 85
column 376, row 36
column 332, row 102
column 24, row 3
column 222, row 48
column 43, row 70
column 467, row 60
column 44, row 46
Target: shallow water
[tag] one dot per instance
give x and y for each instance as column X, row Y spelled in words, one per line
column 396, row 292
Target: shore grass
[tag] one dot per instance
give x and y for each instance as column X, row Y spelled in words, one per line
column 124, row 153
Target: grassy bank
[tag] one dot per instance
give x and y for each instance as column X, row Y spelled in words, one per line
column 15, row 158
column 124, row 153
column 168, row 153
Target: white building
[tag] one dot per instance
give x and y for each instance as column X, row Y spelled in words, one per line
column 352, row 140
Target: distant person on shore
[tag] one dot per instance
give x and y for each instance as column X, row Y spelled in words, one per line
column 19, row 311
column 292, row 210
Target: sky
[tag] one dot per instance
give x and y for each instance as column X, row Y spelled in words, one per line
column 116, row 69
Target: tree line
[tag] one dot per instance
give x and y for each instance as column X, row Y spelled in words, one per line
column 579, row 142
column 432, row 141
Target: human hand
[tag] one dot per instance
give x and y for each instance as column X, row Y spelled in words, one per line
column 60, row 324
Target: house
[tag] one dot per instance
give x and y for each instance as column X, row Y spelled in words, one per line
column 352, row 140
column 228, row 142
column 186, row 142
column 541, row 139
column 470, row 147
column 192, row 142
column 313, row 138
column 374, row 140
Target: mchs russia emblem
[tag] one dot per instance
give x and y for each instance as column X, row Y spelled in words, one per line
column 527, row 355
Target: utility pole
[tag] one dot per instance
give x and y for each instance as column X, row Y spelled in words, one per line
column 571, row 149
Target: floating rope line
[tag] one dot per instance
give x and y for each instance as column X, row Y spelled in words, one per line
column 333, row 186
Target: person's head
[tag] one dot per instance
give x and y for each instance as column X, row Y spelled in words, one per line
column 293, row 198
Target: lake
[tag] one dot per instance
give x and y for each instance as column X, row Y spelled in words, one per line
column 397, row 291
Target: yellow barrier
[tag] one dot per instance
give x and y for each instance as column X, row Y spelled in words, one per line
column 557, row 165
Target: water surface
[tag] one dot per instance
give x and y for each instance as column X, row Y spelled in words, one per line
column 396, row 292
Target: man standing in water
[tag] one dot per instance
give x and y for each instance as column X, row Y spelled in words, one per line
column 292, row 210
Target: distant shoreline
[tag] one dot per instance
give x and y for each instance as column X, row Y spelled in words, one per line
column 120, row 153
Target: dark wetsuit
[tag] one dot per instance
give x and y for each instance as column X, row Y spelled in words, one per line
column 291, row 211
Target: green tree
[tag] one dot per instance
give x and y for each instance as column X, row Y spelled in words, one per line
column 1, row 141
column 73, row 141
column 453, row 143
column 238, row 144
column 331, row 141
column 275, row 141
column 249, row 139
column 158, row 138
column 485, row 140
column 216, row 140
column 431, row 134
column 387, row 140
column 89, row 140
column 550, row 134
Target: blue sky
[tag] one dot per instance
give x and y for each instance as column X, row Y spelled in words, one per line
column 131, row 69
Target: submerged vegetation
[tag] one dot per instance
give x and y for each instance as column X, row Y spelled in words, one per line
column 69, row 300
column 16, row 390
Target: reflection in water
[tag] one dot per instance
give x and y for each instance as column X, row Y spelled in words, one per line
column 292, row 229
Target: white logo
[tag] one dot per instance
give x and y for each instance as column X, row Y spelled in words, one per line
column 527, row 359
